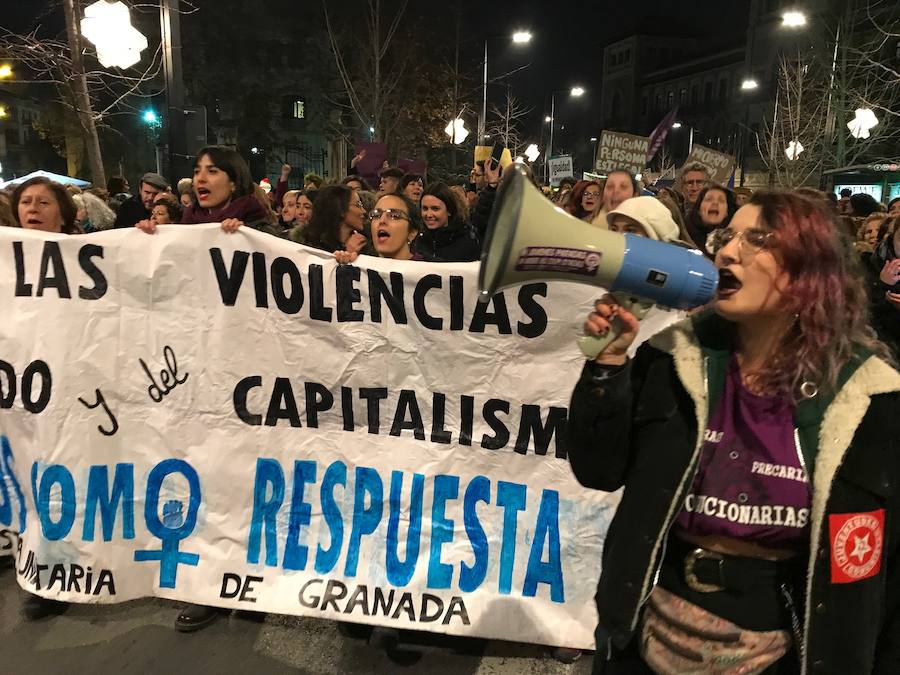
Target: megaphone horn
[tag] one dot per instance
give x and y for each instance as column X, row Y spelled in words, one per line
column 531, row 239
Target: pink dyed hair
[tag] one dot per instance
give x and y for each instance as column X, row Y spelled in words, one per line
column 826, row 291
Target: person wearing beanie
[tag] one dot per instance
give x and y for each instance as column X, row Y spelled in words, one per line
column 647, row 217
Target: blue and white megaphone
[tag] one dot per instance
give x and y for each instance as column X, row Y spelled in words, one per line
column 530, row 239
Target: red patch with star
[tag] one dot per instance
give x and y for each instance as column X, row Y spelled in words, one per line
column 857, row 541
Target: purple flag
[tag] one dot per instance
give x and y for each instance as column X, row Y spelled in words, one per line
column 658, row 137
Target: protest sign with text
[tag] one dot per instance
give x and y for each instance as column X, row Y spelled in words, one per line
column 622, row 151
column 717, row 163
column 237, row 421
column 560, row 167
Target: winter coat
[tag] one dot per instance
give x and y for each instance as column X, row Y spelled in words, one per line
column 885, row 316
column 130, row 213
column 455, row 242
column 637, row 427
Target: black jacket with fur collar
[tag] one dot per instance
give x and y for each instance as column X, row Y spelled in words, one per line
column 639, row 429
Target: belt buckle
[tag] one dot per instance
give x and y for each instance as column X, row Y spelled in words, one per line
column 690, row 576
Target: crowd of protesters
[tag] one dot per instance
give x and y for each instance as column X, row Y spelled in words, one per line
column 410, row 219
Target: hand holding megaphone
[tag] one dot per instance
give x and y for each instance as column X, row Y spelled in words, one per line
column 613, row 326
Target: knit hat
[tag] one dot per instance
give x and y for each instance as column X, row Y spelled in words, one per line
column 265, row 185
column 649, row 213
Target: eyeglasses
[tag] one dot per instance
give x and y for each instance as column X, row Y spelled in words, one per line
column 593, row 195
column 755, row 239
column 392, row 214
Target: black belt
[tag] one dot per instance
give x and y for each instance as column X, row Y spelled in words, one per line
column 706, row 571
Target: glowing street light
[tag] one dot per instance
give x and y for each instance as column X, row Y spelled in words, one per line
column 456, row 130
column 749, row 84
column 793, row 150
column 548, row 119
column 108, row 26
column 4, row 113
column 593, row 139
column 793, row 19
column 859, row 126
column 676, row 125
column 5, row 71
column 150, row 117
column 532, row 152
column 577, row 91
column 521, row 37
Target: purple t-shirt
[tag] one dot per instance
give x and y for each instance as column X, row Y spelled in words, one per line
column 751, row 481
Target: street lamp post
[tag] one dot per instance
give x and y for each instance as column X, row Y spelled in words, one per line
column 574, row 92
column 520, row 37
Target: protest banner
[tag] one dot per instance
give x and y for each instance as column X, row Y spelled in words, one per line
column 621, row 151
column 717, row 163
column 235, row 420
column 560, row 167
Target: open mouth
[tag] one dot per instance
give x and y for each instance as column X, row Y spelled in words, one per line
column 202, row 193
column 729, row 284
column 382, row 235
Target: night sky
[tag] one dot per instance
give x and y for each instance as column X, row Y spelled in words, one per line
column 566, row 50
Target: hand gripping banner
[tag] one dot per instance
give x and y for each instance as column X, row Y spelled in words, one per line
column 235, row 420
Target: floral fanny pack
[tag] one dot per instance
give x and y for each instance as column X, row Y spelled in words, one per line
column 678, row 637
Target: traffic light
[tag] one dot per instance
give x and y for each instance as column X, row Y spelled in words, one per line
column 150, row 117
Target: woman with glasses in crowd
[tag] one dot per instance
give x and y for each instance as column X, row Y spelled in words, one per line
column 394, row 224
column 585, row 200
column 756, row 444
column 447, row 237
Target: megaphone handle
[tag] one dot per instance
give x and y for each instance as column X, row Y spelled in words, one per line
column 592, row 345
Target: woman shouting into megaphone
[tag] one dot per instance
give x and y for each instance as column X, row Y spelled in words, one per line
column 758, row 445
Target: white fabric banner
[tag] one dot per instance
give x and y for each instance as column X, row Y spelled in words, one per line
column 235, row 420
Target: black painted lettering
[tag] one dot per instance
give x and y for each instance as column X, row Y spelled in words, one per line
column 318, row 310
column 283, row 405
column 23, row 288
column 318, row 399
column 346, row 277
column 439, row 433
column 407, row 415
column 289, row 300
column 427, row 283
column 499, row 317
column 231, row 585
column 33, row 370
column 457, row 303
column 531, row 426
column 241, row 389
column 501, row 433
column 378, row 291
column 373, row 397
column 334, row 591
column 55, row 278
column 85, row 258
column 533, row 310
column 260, row 282
column 229, row 281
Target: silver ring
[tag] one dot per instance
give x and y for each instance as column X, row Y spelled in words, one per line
column 809, row 389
